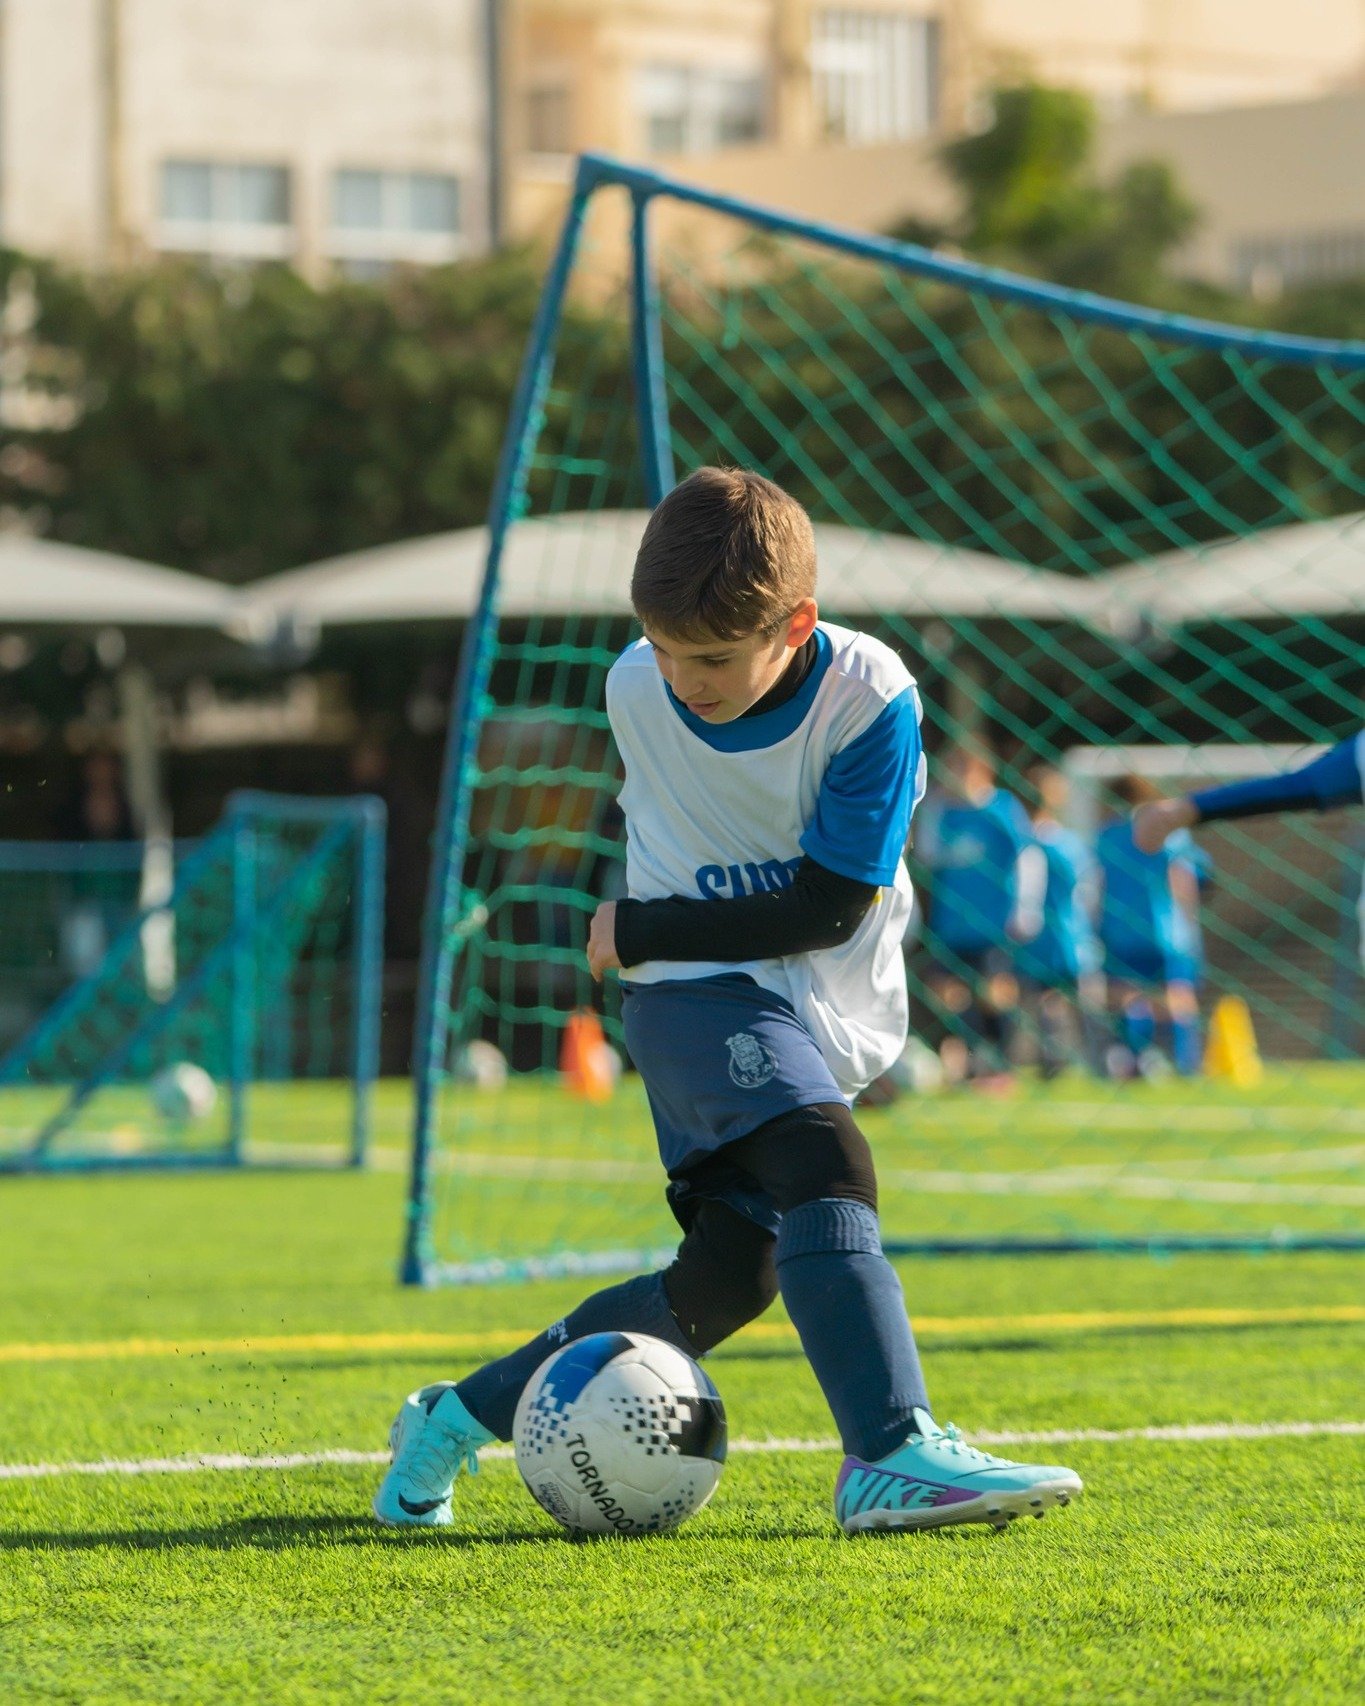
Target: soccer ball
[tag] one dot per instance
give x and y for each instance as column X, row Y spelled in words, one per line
column 183, row 1092
column 619, row 1433
column 481, row 1064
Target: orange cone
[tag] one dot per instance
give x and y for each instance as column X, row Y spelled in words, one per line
column 584, row 1057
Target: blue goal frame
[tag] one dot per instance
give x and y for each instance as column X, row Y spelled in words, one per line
column 357, row 823
column 443, row 928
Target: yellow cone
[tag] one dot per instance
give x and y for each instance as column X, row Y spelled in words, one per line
column 1231, row 1051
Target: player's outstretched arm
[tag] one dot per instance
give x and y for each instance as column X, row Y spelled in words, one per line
column 1335, row 779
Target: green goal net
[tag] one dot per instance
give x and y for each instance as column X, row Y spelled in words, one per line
column 1117, row 543
column 203, row 1003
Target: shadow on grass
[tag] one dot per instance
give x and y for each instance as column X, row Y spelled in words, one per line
column 292, row 1533
column 264, row 1534
column 285, row 1363
column 1049, row 1343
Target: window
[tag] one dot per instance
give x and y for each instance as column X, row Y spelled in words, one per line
column 382, row 217
column 548, row 114
column 876, row 75
column 214, row 207
column 687, row 110
column 1265, row 265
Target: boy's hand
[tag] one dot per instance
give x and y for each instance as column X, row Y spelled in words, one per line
column 602, row 941
column 1155, row 821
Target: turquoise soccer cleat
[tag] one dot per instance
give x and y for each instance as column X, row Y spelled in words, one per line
column 433, row 1436
column 936, row 1478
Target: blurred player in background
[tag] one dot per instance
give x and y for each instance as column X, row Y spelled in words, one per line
column 1147, row 926
column 988, row 881
column 1059, row 969
column 1335, row 779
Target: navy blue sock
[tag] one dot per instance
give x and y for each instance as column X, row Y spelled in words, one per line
column 490, row 1394
column 1186, row 1046
column 846, row 1302
column 1137, row 1026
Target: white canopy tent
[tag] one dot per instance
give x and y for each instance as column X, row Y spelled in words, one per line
column 49, row 584
column 581, row 563
column 1311, row 568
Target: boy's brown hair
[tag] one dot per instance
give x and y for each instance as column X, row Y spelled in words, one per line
column 1133, row 790
column 726, row 554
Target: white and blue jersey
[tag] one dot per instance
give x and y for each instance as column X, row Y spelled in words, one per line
column 1147, row 936
column 717, row 811
column 973, row 851
column 1065, row 948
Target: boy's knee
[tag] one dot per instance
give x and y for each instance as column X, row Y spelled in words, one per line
column 722, row 1277
column 811, row 1154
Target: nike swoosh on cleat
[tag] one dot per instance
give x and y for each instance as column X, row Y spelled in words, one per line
column 419, row 1507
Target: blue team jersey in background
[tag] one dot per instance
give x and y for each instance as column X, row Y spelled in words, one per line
column 1065, row 949
column 972, row 851
column 1147, row 938
column 1200, row 862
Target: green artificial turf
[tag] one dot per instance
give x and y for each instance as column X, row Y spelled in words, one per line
column 1219, row 1570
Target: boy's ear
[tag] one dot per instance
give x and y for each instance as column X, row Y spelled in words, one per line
column 802, row 623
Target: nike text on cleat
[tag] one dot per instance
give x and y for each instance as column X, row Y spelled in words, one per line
column 936, row 1479
column 432, row 1438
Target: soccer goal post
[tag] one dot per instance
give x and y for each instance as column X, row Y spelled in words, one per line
column 233, row 1017
column 1087, row 526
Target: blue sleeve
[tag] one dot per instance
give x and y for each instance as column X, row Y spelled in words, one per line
column 862, row 815
column 1332, row 780
column 1016, row 822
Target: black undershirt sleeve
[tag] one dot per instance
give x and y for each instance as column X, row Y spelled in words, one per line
column 821, row 909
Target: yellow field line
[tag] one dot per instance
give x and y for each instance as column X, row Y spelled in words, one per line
column 926, row 1326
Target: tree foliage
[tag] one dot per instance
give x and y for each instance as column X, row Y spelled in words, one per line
column 1031, row 198
column 236, row 423
column 240, row 422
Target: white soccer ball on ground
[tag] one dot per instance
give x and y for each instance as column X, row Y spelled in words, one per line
column 183, row 1092
column 481, row 1064
column 619, row 1433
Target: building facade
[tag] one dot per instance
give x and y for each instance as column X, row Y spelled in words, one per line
column 1277, row 187
column 330, row 134
column 1167, row 55
column 349, row 135
column 836, row 108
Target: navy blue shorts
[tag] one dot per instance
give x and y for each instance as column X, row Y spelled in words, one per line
column 720, row 1056
column 1133, row 961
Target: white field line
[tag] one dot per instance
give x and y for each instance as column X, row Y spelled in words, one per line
column 1260, row 1116
column 1251, row 1161
column 1120, row 1180
column 1070, row 1182
column 1129, row 1179
column 1125, row 1179
column 218, row 1462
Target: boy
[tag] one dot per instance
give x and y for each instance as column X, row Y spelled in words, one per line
column 988, row 882
column 1148, row 924
column 1060, row 966
column 772, row 763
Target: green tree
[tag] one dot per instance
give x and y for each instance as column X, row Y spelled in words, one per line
column 1031, row 198
column 236, row 423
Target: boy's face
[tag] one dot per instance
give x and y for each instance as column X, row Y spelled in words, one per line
column 718, row 680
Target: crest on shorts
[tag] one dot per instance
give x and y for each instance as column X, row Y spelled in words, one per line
column 752, row 1063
